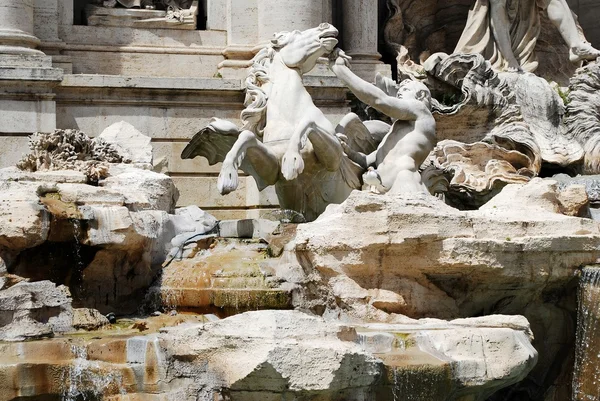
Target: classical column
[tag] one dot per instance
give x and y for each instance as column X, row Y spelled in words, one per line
column 360, row 33
column 16, row 28
column 252, row 23
column 288, row 15
column 27, row 81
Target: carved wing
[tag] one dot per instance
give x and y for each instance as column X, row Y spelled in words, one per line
column 212, row 142
column 361, row 136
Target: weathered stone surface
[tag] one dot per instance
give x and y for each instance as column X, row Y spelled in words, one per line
column 120, row 231
column 130, row 142
column 539, row 196
column 574, row 201
column 280, row 354
column 25, row 223
column 142, row 189
column 58, row 176
column 88, row 319
column 590, row 182
column 515, row 255
column 267, row 355
column 504, row 242
column 34, row 310
column 229, row 274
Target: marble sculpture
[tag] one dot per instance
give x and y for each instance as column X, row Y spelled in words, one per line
column 505, row 32
column 409, row 140
column 286, row 140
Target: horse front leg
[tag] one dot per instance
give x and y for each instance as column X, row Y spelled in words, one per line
column 327, row 147
column 263, row 161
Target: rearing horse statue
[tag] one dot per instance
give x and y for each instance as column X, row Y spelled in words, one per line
column 286, row 140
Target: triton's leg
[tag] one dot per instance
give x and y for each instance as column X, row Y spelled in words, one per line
column 407, row 178
column 561, row 16
column 501, row 29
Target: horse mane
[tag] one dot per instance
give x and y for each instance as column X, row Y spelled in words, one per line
column 254, row 115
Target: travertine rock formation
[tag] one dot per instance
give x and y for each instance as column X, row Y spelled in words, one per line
column 270, row 355
column 106, row 242
column 419, row 243
column 422, row 258
column 33, row 310
column 130, row 143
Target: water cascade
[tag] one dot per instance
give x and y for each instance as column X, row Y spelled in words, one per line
column 87, row 379
column 586, row 377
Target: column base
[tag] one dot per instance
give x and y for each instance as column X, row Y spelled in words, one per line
column 238, row 60
column 19, row 60
column 18, row 42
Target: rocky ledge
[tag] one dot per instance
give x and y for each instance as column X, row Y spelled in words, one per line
column 379, row 259
column 272, row 355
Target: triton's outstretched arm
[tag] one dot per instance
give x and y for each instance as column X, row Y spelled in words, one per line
column 397, row 109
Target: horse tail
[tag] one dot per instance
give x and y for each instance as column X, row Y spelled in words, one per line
column 254, row 115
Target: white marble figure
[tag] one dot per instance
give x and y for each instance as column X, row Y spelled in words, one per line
column 505, row 32
column 407, row 143
column 286, row 140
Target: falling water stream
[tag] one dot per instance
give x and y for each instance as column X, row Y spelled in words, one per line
column 78, row 271
column 86, row 380
column 586, row 375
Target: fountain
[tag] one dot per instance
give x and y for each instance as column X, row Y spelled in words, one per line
column 586, row 376
column 408, row 244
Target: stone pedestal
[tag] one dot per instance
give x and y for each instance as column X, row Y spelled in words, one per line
column 360, row 38
column 26, row 81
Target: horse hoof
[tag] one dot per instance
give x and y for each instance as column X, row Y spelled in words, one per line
column 228, row 179
column 292, row 165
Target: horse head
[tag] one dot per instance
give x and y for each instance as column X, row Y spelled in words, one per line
column 302, row 49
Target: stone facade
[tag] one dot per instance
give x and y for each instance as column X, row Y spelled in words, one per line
column 58, row 72
column 55, row 71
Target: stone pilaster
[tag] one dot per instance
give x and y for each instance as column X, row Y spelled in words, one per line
column 242, row 36
column 27, row 80
column 360, row 34
column 288, row 15
column 252, row 23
